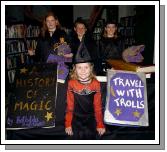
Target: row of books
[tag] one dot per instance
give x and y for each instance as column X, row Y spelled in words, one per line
column 127, row 21
column 15, row 31
column 97, row 30
column 14, row 46
column 97, row 37
column 32, row 31
column 11, row 75
column 18, row 38
column 31, row 44
column 21, row 31
column 127, row 31
column 16, row 60
column 129, row 41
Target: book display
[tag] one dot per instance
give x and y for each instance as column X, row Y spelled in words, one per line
column 122, row 65
column 98, row 29
column 127, row 29
column 18, row 38
column 32, row 33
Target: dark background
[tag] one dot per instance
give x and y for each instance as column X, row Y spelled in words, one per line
column 144, row 19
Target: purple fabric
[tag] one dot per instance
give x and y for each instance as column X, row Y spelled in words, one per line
column 128, row 102
column 59, row 52
column 130, row 57
column 62, row 71
column 52, row 58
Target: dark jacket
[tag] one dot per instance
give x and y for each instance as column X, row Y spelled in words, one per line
column 45, row 45
column 90, row 45
column 111, row 48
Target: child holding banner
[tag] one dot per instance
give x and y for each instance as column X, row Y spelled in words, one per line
column 84, row 109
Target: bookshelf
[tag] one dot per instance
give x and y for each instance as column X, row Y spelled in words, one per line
column 18, row 38
column 32, row 33
column 127, row 30
column 98, row 29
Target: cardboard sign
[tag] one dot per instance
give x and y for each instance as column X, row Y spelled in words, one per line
column 34, row 95
column 126, row 98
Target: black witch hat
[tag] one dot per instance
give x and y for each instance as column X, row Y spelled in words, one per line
column 82, row 54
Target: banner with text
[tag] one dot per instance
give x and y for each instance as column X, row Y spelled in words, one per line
column 32, row 103
column 126, row 102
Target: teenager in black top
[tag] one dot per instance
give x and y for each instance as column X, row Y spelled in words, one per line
column 111, row 45
column 82, row 34
column 50, row 36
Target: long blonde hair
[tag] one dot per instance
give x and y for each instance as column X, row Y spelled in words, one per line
column 73, row 74
column 44, row 27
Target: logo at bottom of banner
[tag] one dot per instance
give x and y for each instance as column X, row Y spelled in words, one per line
column 126, row 99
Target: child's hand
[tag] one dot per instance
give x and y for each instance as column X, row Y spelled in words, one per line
column 69, row 131
column 101, row 131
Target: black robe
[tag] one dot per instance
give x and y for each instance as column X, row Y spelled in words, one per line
column 45, row 45
column 111, row 48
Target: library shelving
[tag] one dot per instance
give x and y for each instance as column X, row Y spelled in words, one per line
column 18, row 38
column 127, row 30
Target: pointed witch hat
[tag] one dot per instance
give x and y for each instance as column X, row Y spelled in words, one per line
column 82, row 54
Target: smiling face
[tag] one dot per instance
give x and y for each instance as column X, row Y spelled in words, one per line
column 83, row 71
column 110, row 30
column 80, row 29
column 51, row 23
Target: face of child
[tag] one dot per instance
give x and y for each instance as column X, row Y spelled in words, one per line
column 51, row 23
column 110, row 29
column 83, row 71
column 80, row 29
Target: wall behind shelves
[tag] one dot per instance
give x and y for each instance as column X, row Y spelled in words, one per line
column 126, row 10
column 145, row 30
column 33, row 14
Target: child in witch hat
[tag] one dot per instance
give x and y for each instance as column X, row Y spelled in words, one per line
column 84, row 118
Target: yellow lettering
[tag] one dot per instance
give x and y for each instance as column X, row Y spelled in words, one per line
column 18, row 83
column 35, row 93
column 46, row 105
column 26, row 107
column 36, row 79
column 33, row 106
column 41, row 82
column 29, row 94
column 41, row 105
column 47, row 82
column 30, row 83
column 18, row 106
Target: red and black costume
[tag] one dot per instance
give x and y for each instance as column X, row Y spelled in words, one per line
column 84, row 109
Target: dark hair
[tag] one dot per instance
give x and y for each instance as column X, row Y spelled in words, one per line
column 111, row 22
column 79, row 20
